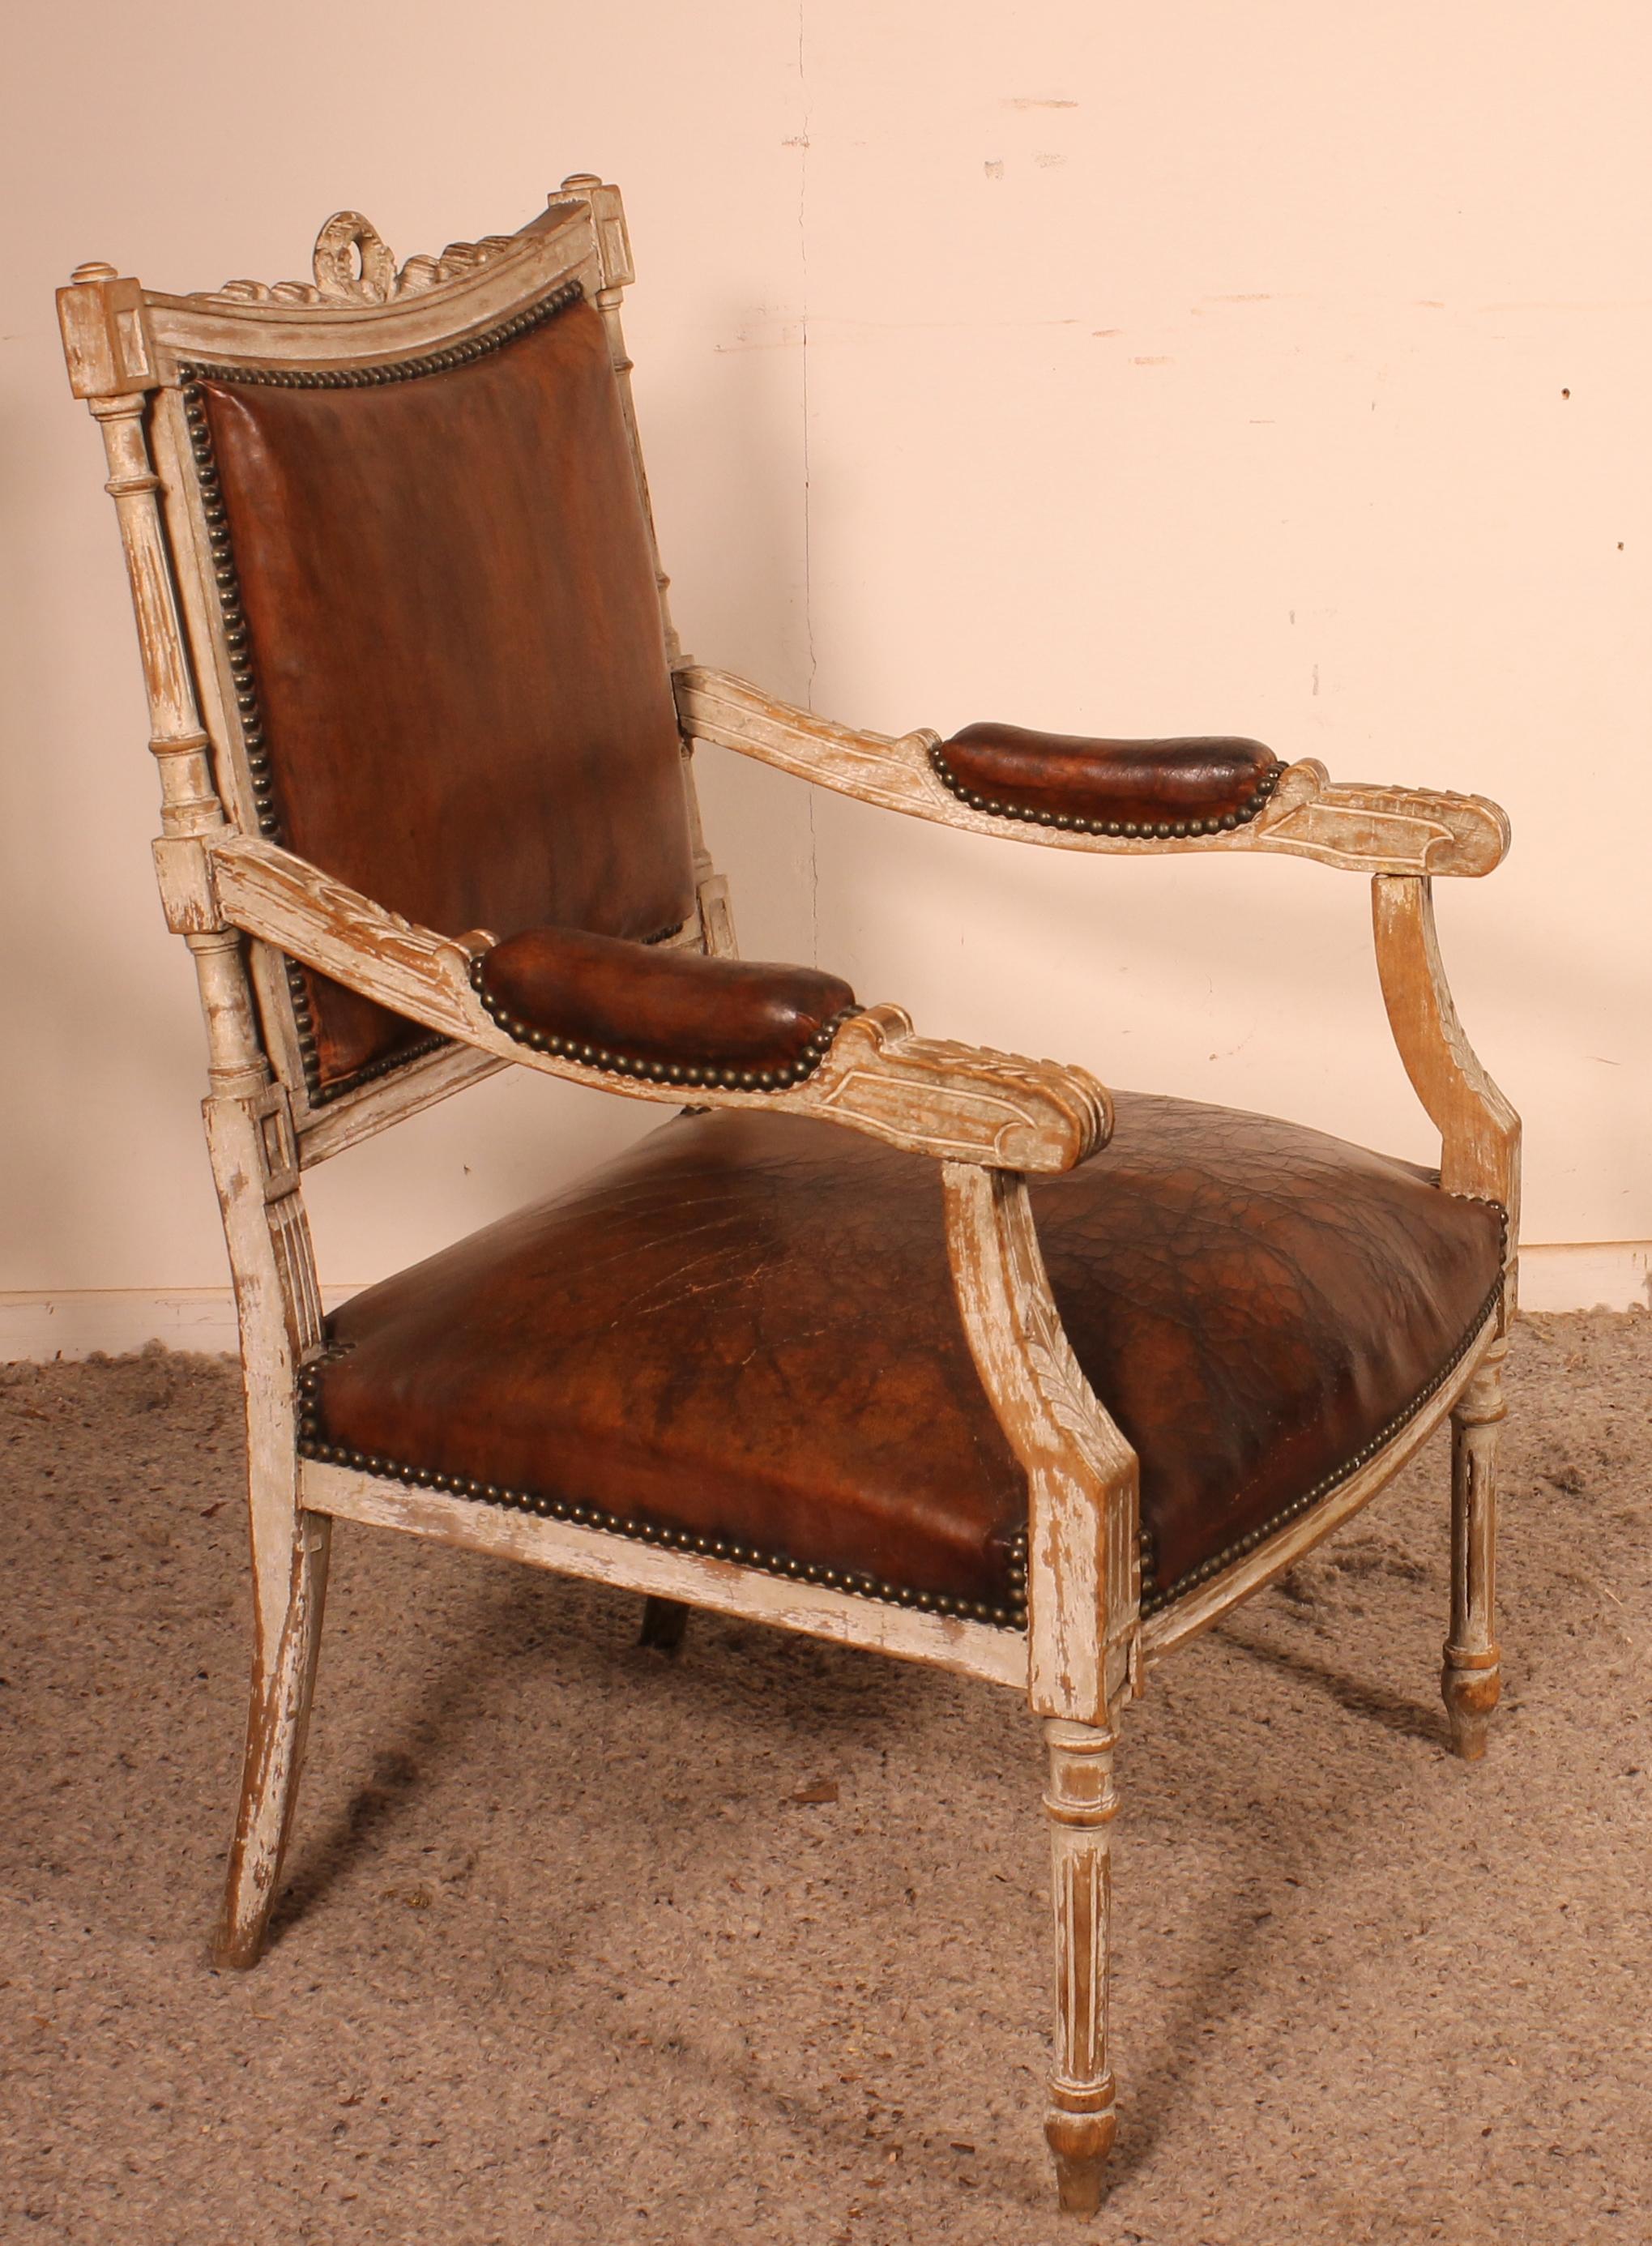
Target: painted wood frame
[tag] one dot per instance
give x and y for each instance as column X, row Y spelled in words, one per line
column 1355, row 825
column 245, row 907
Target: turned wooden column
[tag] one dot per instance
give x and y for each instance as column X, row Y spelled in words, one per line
column 1082, row 1804
column 1471, row 1679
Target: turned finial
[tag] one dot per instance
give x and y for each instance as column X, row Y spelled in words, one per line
column 95, row 268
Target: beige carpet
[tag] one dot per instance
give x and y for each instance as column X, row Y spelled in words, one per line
column 570, row 1954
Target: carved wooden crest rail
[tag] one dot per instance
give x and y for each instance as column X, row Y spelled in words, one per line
column 352, row 265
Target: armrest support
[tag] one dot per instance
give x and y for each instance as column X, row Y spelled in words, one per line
column 955, row 1103
column 1083, row 1510
column 1479, row 1131
column 1360, row 826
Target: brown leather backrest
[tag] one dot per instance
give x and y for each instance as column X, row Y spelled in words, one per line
column 461, row 701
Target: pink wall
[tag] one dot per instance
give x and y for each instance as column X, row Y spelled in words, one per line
column 1183, row 368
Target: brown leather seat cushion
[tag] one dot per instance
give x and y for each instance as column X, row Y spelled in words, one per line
column 1196, row 786
column 743, row 1330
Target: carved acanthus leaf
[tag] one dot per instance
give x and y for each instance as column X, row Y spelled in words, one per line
column 1067, row 1396
column 961, row 1102
column 353, row 265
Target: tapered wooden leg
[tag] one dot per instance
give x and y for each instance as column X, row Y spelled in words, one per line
column 1470, row 1681
column 664, row 1623
column 278, row 1721
column 1081, row 1803
column 254, row 1146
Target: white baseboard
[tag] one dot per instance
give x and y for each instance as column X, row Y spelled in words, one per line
column 83, row 1321
column 1589, row 1275
column 1612, row 1275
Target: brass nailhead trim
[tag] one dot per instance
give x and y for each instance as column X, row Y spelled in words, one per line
column 1010, row 1616
column 1154, row 1601
column 661, row 1071
column 371, row 1071
column 237, row 638
column 1171, row 830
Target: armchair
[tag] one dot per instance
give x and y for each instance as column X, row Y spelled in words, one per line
column 929, row 1350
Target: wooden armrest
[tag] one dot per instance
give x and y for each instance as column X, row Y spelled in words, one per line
column 1363, row 828
column 955, row 1103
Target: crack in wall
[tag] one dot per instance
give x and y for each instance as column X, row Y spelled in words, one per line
column 808, row 586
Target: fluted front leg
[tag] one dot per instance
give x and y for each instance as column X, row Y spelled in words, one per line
column 277, row 1726
column 1082, row 1804
column 1470, row 1680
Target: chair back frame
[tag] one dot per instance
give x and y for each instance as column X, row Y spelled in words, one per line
column 129, row 351
column 132, row 352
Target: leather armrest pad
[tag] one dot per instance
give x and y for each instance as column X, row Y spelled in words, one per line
column 675, row 1015
column 1114, row 787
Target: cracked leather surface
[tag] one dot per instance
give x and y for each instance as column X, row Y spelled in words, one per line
column 661, row 1005
column 746, row 1327
column 450, row 596
column 1143, row 783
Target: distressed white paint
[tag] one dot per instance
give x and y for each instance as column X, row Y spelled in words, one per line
column 1359, row 827
column 1084, row 1576
column 1471, row 1670
column 942, row 1099
column 972, row 1648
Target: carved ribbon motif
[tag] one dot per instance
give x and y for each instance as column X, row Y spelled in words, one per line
column 354, row 265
